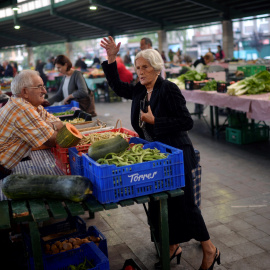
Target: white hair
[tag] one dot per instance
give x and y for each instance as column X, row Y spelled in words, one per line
column 153, row 57
column 22, row 80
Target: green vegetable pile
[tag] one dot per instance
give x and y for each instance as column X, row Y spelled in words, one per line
column 135, row 154
column 82, row 266
column 210, row 86
column 189, row 75
column 252, row 85
column 63, row 113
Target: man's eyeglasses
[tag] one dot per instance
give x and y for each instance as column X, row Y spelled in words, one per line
column 41, row 87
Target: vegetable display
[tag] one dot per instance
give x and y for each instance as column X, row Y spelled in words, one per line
column 189, row 75
column 82, row 266
column 71, row 187
column 63, row 113
column 210, row 86
column 68, row 136
column 100, row 149
column 253, row 85
column 135, row 154
column 75, row 121
column 68, row 244
column 95, row 137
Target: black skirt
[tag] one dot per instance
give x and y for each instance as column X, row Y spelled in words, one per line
column 184, row 217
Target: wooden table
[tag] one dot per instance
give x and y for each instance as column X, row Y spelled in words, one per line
column 42, row 210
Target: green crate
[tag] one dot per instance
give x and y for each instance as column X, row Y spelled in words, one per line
column 247, row 134
column 237, row 119
column 250, row 70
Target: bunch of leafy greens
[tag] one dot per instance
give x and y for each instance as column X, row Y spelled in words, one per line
column 252, row 85
column 210, row 86
column 192, row 75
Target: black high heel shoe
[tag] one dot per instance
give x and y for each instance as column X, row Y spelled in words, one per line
column 178, row 256
column 216, row 259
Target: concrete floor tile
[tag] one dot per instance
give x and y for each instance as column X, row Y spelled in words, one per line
column 256, row 220
column 238, row 225
column 263, row 243
column 252, row 234
column 247, row 249
column 219, row 230
column 232, row 239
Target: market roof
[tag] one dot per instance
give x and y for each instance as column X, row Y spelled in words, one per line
column 72, row 20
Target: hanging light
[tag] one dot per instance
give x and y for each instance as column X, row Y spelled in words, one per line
column 92, row 5
column 15, row 8
column 17, row 26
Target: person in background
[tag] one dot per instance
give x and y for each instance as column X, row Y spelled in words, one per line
column 39, row 67
column 214, row 55
column 163, row 56
column 2, row 70
column 49, row 65
column 167, row 120
column 219, row 54
column 8, row 69
column 83, row 65
column 14, row 66
column 127, row 59
column 78, row 62
column 177, row 58
column 73, row 86
column 124, row 74
column 171, row 54
column 96, row 62
column 199, row 66
column 24, row 123
column 146, row 43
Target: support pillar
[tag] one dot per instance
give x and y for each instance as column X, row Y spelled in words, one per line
column 162, row 42
column 227, row 38
column 69, row 52
column 30, row 57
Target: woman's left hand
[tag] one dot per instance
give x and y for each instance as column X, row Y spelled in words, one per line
column 65, row 101
column 148, row 117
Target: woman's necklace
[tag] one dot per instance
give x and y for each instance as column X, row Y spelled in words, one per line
column 148, row 92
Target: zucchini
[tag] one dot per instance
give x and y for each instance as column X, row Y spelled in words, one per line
column 68, row 136
column 101, row 148
column 71, row 187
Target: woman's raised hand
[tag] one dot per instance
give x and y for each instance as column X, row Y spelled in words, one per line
column 111, row 48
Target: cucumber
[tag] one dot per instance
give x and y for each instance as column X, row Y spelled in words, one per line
column 71, row 187
column 101, row 148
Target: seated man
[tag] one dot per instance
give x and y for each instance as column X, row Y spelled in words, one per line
column 24, row 123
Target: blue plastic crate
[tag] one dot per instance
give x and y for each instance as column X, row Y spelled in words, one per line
column 72, row 227
column 62, row 108
column 113, row 184
column 62, row 261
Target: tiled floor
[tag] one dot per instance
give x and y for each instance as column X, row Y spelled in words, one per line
column 235, row 204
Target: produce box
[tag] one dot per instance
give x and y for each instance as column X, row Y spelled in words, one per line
column 76, row 114
column 62, row 108
column 113, row 184
column 250, row 70
column 71, row 228
column 222, row 87
column 193, row 85
column 63, row 260
column 247, row 134
column 75, row 154
column 237, row 119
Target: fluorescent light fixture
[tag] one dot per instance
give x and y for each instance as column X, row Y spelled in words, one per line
column 17, row 26
column 15, row 8
column 93, row 7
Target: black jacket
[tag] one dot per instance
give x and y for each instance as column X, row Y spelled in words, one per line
column 168, row 105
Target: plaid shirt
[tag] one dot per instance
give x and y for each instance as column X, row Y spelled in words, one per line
column 22, row 126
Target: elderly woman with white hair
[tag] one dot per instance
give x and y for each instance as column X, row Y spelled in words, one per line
column 165, row 119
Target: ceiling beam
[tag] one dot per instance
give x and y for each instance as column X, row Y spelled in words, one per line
column 128, row 12
column 46, row 30
column 18, row 39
